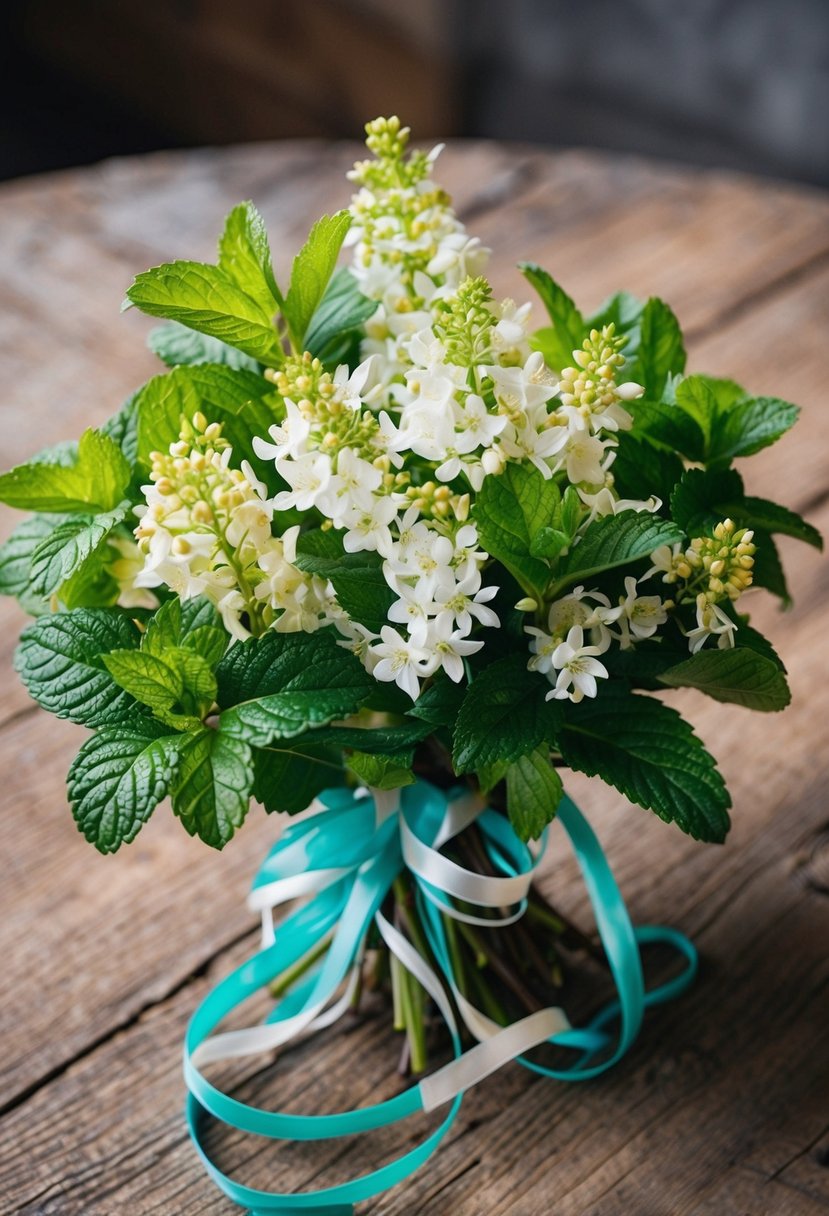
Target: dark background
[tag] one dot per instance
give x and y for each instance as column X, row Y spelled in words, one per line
column 739, row 83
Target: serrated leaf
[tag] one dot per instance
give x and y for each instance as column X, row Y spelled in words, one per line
column 192, row 624
column 96, row 481
column 121, row 428
column 696, row 499
column 667, row 427
column 750, row 425
column 439, row 703
column 738, row 675
column 649, row 753
column 205, row 298
column 16, row 553
column 695, row 395
column 374, row 739
column 284, row 683
column 382, row 772
column 341, row 312
column 503, row 716
column 615, row 540
column 145, row 677
column 359, row 583
column 661, row 350
column 488, row 775
column 60, row 660
column 288, row 780
column 641, row 470
column 534, row 791
column 568, row 329
column 178, row 346
column 768, row 569
column 245, row 256
column 312, row 270
column 771, row 517
column 118, row 779
column 60, row 554
column 511, row 510
column 212, row 791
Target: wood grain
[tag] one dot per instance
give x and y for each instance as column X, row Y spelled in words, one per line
column 722, row 1106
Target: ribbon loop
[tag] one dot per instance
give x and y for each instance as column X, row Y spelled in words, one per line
column 372, row 836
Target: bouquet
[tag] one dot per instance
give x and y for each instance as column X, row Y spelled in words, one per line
column 375, row 540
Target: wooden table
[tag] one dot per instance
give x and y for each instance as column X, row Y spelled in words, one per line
column 723, row 1105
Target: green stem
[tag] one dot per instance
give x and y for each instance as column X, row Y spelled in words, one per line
column 290, row 975
column 397, row 976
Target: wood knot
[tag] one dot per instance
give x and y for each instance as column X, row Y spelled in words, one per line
column 813, row 870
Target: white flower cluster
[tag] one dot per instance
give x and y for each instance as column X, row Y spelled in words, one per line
column 206, row 530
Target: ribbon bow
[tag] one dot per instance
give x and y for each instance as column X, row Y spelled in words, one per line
column 373, row 836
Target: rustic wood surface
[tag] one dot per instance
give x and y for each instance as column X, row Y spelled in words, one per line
column 723, row 1105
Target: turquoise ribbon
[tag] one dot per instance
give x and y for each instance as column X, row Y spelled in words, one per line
column 346, row 857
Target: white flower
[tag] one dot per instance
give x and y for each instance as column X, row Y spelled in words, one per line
column 711, row 622
column 474, row 425
column 523, row 387
column 542, row 647
column 400, row 660
column 641, row 615
column 308, row 476
column 289, row 438
column 577, row 667
column 446, row 647
column 604, row 502
column 351, row 488
column 663, row 560
column 583, row 458
column 369, row 528
column 587, row 609
column 361, row 387
column 464, row 601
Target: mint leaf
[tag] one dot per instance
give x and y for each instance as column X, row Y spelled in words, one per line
column 341, row 312
column 176, row 345
column 191, row 624
column 283, row 683
column 91, row 585
column 641, row 470
column 568, row 329
column 750, row 425
column 615, row 540
column 439, row 704
column 96, row 481
column 389, row 740
column 60, row 661
column 312, row 269
column 771, row 517
column 534, row 791
column 69, row 545
column 207, row 299
column 382, row 772
column 738, row 675
column 649, row 753
column 511, row 509
column 245, row 256
column 696, row 502
column 768, row 569
column 287, row 780
column 212, row 791
column 661, row 350
column 667, row 427
column 118, row 779
column 16, row 553
column 121, row 428
column 695, row 396
column 179, row 687
column 503, row 716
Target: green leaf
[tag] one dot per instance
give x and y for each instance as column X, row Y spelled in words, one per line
column 534, row 791
column 176, row 345
column 695, row 395
column 750, row 425
column 118, row 779
column 625, row 312
column 342, row 311
column 615, row 540
column 121, row 428
column 60, row 661
column 388, row 740
column 16, row 553
column 283, row 683
column 511, row 509
column 771, row 517
column 358, row 579
column 312, row 269
column 641, row 470
column 69, row 546
column 504, row 715
column 145, row 677
column 212, row 791
column 245, row 256
column 382, row 772
column 667, row 427
column 440, row 702
column 697, row 498
column 91, row 585
column 568, row 329
column 207, row 299
column 768, row 569
column 649, row 753
column 96, row 481
column 489, row 775
column 243, row 402
column 661, row 350
column 192, row 624
column 288, row 780
column 738, row 675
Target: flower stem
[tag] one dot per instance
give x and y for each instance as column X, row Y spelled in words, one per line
column 290, row 975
